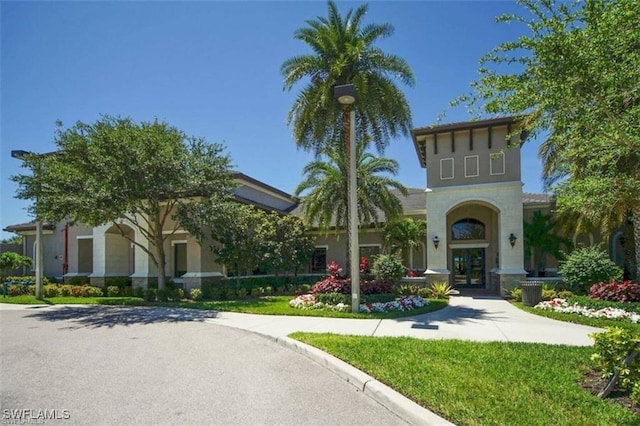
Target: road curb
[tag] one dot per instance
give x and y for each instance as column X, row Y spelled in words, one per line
column 394, row 401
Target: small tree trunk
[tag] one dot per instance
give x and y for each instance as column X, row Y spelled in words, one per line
column 161, row 262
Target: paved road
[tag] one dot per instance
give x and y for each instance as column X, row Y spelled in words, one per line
column 110, row 365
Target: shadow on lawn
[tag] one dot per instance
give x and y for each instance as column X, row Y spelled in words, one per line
column 96, row 316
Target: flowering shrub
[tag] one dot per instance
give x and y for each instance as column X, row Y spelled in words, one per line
column 411, row 273
column 407, row 303
column 332, row 285
column 365, row 268
column 561, row 305
column 195, row 294
column 623, row 292
column 333, row 270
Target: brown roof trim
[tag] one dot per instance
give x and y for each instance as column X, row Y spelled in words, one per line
column 29, row 226
column 453, row 127
column 242, row 176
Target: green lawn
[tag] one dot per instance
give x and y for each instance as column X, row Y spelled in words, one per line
column 272, row 305
column 472, row 383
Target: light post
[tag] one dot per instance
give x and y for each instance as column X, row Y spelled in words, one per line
column 19, row 154
column 347, row 94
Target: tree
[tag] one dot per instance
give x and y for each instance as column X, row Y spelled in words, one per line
column 287, row 243
column 16, row 239
column 325, row 203
column 404, row 234
column 9, row 261
column 541, row 238
column 125, row 173
column 576, row 80
column 344, row 52
column 231, row 231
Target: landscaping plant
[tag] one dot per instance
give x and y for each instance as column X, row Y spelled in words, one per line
column 588, row 265
column 387, row 267
column 622, row 292
column 617, row 358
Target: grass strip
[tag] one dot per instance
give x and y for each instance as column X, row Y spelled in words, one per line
column 472, row 383
column 270, row 305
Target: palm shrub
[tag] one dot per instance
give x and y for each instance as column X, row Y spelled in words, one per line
column 387, row 267
column 588, row 265
column 440, row 290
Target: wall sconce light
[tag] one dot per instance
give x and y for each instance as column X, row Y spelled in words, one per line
column 512, row 239
column 436, row 242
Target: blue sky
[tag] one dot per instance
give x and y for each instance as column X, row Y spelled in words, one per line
column 212, row 69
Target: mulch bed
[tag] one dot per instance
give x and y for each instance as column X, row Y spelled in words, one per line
column 593, row 382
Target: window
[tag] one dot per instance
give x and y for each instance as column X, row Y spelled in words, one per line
column 319, row 260
column 467, row 229
column 369, row 251
column 471, row 167
column 180, row 259
column 496, row 164
column 446, row 168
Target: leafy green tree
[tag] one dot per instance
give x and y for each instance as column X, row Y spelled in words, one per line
column 122, row 172
column 405, row 234
column 9, row 261
column 231, row 230
column 575, row 79
column 541, row 237
column 325, row 189
column 287, row 243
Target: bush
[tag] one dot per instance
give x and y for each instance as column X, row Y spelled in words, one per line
column 565, row 294
column 588, row 265
column 91, row 291
column 195, row 294
column 77, row 280
column 257, row 292
column 332, row 285
column 65, row 290
column 242, row 293
column 440, row 290
column 375, row 287
column 14, row 290
column 76, row 290
column 516, row 294
column 548, row 293
column 150, row 294
column 26, row 280
column 407, row 290
column 377, row 298
column 612, row 347
column 333, row 298
column 50, row 290
column 387, row 267
column 113, row 291
column 623, row 292
column 138, row 292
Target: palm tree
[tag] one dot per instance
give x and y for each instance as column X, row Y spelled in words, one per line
column 541, row 238
column 405, row 234
column 325, row 203
column 343, row 53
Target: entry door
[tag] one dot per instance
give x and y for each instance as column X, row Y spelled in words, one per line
column 468, row 267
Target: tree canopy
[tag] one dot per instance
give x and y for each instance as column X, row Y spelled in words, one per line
column 122, row 172
column 575, row 79
column 344, row 51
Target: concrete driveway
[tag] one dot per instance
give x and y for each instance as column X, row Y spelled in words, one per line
column 111, row 365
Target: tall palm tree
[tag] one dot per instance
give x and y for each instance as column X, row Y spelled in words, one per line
column 343, row 53
column 326, row 199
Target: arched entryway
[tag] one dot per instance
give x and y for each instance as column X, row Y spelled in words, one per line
column 119, row 252
column 472, row 229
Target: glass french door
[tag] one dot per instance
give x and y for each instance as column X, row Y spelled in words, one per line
column 469, row 267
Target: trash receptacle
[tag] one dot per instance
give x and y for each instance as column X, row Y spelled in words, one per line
column 531, row 292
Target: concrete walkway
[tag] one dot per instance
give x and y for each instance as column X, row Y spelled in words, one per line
column 468, row 317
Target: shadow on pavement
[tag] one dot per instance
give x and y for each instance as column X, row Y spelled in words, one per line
column 111, row 316
column 457, row 315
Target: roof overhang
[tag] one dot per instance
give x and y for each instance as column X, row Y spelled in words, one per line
column 420, row 134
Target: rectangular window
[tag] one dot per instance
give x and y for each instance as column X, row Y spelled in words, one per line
column 319, row 260
column 471, row 168
column 180, row 259
column 496, row 164
column 446, row 168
